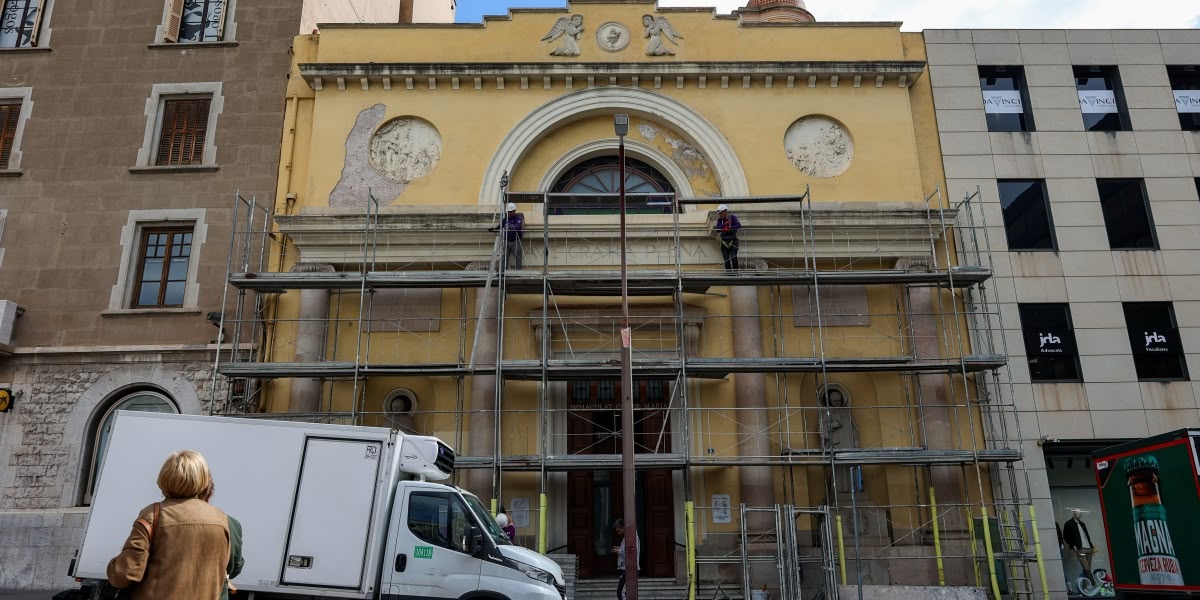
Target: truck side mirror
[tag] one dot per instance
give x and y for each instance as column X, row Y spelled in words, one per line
column 474, row 541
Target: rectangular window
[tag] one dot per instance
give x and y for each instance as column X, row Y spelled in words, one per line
column 193, row 21
column 1027, row 221
column 19, row 23
column 1154, row 339
column 9, row 113
column 1101, row 99
column 439, row 519
column 1049, row 342
column 1185, row 83
column 1126, row 214
column 183, row 131
column 1005, row 99
column 163, row 267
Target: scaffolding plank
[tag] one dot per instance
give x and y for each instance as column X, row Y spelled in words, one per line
column 606, row 282
column 875, row 456
column 579, row 369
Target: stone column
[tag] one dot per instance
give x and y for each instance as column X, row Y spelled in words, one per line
column 305, row 394
column 940, row 427
column 480, row 430
column 757, row 486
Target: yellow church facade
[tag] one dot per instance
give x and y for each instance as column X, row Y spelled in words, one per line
column 824, row 395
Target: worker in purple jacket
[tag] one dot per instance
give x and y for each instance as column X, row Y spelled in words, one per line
column 512, row 224
column 727, row 227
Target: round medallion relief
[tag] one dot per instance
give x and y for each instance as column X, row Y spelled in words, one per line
column 612, row 36
column 818, row 146
column 405, row 148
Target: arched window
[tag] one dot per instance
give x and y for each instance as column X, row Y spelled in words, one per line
column 143, row 401
column 598, row 187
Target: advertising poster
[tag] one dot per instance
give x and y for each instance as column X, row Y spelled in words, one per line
column 1002, row 101
column 1187, row 101
column 1097, row 101
column 1151, row 502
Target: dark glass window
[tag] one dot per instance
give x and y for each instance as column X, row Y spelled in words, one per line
column 1185, row 83
column 1027, row 221
column 163, row 268
column 1101, row 99
column 1049, row 342
column 592, row 187
column 1154, row 339
column 1126, row 214
column 1005, row 99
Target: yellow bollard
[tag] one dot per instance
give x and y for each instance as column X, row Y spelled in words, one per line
column 1037, row 548
column 841, row 550
column 494, row 511
column 937, row 539
column 991, row 556
column 543, row 519
column 689, row 515
column 974, row 545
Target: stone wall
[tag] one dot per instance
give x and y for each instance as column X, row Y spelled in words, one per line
column 36, row 547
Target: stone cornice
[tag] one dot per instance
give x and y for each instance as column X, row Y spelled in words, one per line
column 439, row 236
column 724, row 74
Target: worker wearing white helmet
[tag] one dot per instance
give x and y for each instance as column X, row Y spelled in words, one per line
column 512, row 223
column 727, row 227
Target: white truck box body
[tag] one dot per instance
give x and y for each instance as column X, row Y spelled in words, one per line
column 298, row 489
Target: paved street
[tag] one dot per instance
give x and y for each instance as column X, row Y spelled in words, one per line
column 14, row 595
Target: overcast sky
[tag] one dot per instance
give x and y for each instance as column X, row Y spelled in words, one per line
column 941, row 14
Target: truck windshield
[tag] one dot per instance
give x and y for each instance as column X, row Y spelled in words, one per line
column 489, row 523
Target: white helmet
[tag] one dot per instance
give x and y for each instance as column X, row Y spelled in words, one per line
column 502, row 520
column 722, row 208
column 511, row 207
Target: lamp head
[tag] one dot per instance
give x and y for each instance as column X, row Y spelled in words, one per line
column 621, row 124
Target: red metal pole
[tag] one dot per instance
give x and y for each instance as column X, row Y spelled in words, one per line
column 628, row 474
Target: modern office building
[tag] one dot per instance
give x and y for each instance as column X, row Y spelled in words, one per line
column 1084, row 148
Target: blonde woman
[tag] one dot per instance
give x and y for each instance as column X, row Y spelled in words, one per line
column 179, row 548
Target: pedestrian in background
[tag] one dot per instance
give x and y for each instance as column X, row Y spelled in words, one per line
column 619, row 526
column 236, row 561
column 179, row 547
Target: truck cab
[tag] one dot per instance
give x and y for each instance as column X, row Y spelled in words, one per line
column 445, row 544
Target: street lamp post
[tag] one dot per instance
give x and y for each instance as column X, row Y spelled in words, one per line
column 628, row 477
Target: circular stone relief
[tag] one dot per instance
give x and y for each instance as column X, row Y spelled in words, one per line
column 612, row 36
column 405, row 148
column 818, row 146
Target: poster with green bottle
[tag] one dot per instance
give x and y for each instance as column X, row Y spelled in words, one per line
column 1150, row 497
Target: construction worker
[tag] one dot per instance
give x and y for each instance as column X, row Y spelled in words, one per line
column 727, row 226
column 512, row 224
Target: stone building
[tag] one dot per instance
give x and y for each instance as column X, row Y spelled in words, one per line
column 828, row 366
column 128, row 130
column 1084, row 147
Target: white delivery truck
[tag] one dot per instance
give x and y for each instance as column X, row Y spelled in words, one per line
column 329, row 511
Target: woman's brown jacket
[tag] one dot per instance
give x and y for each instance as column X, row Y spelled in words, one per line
column 185, row 561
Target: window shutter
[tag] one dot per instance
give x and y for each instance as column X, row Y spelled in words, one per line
column 8, row 131
column 222, row 7
column 174, row 20
column 184, row 131
column 35, row 7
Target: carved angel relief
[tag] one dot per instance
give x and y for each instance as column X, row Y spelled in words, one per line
column 656, row 29
column 570, row 29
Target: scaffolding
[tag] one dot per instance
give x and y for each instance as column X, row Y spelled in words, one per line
column 895, row 296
